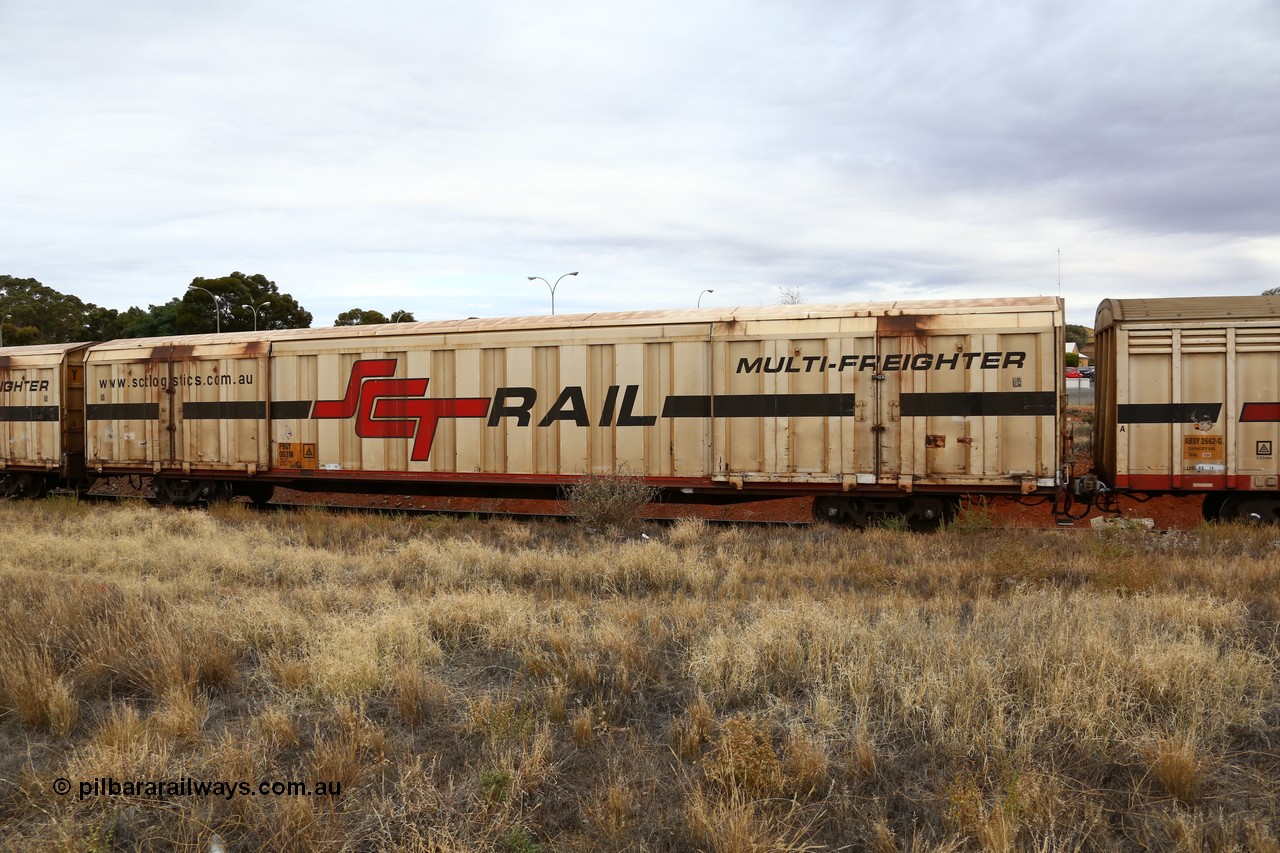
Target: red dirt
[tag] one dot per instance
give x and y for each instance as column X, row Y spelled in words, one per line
column 1168, row 513
column 784, row 509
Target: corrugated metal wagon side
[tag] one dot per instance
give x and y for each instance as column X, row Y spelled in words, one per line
column 882, row 408
column 191, row 412
column 1189, row 401
column 41, row 389
column 893, row 408
column 517, row 405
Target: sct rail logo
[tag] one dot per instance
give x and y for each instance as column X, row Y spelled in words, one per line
column 396, row 408
column 385, row 407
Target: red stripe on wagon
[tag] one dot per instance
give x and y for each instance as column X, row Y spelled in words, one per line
column 1259, row 412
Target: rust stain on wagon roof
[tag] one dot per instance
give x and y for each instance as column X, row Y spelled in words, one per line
column 177, row 352
column 905, row 325
column 191, row 351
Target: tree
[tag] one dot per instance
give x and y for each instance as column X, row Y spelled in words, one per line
column 238, row 294
column 790, row 296
column 157, row 321
column 38, row 314
column 1275, row 291
column 103, row 324
column 1079, row 335
column 370, row 317
column 360, row 317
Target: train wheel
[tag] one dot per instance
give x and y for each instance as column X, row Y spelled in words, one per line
column 928, row 515
column 30, row 486
column 842, row 511
column 215, row 491
column 1252, row 509
column 921, row 514
column 188, row 492
column 172, row 492
column 11, row 486
column 259, row 493
column 829, row 509
column 1211, row 510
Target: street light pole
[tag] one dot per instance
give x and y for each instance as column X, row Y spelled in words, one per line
column 700, row 295
column 255, row 313
column 551, row 287
column 217, row 308
column 2, row 322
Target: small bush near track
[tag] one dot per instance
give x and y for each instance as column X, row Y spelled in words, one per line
column 610, row 500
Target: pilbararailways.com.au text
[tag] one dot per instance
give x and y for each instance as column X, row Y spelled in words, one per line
column 165, row 789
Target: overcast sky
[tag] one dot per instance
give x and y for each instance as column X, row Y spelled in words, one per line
column 431, row 156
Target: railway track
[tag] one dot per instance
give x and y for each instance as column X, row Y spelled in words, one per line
column 775, row 512
column 474, row 507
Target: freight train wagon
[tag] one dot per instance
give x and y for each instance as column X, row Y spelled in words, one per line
column 1188, row 401
column 884, row 408
column 41, row 417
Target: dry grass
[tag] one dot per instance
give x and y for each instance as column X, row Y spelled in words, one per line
column 512, row 686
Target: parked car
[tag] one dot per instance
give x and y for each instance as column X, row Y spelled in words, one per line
column 1073, row 373
column 1087, row 372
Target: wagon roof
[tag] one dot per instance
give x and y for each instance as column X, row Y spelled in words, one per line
column 624, row 318
column 43, row 349
column 1178, row 309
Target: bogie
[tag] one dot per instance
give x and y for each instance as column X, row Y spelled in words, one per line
column 916, row 513
column 22, row 484
column 178, row 492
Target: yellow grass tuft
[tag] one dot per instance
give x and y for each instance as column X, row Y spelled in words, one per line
column 181, row 717
column 419, row 696
column 734, row 823
column 1175, row 764
column 31, row 686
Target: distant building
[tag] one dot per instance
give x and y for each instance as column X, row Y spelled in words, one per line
column 1075, row 348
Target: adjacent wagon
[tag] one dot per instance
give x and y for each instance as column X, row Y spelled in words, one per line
column 1188, row 401
column 41, row 417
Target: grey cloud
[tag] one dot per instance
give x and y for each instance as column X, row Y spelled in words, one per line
column 906, row 146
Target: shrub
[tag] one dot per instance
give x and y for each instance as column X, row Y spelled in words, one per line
column 610, row 500
column 744, row 759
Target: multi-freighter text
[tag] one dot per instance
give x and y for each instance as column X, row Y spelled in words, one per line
column 883, row 363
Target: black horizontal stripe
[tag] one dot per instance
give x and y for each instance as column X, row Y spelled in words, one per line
column 758, row 406
column 1168, row 413
column 687, row 406
column 977, row 404
column 782, row 405
column 225, row 410
column 15, row 414
column 285, row 409
column 122, row 411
